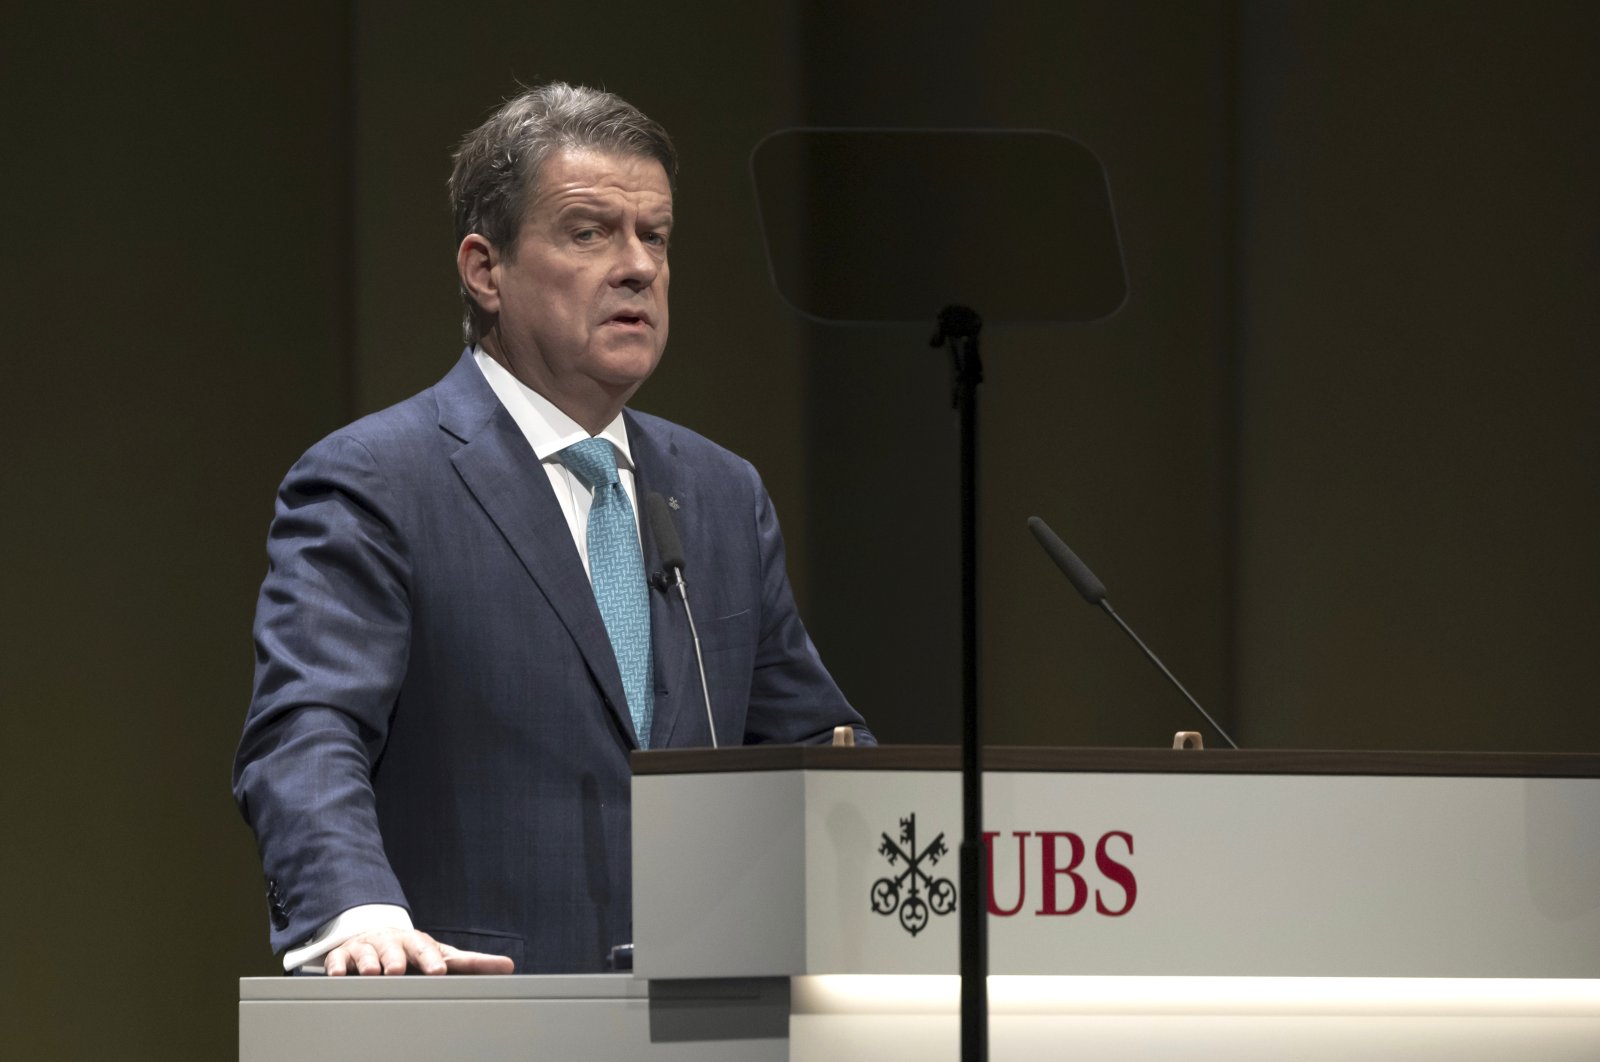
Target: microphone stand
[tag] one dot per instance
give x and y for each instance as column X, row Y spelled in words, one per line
column 818, row 191
column 959, row 327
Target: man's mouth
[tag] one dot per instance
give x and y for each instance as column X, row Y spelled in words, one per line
column 632, row 320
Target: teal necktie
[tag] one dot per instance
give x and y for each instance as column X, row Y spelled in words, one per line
column 616, row 571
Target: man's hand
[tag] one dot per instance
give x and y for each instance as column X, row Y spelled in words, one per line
column 393, row 951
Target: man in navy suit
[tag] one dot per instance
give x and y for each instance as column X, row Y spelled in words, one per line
column 435, row 761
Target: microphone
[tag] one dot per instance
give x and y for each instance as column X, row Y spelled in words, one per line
column 669, row 547
column 1094, row 592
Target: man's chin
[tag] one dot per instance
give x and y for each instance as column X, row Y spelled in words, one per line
column 626, row 365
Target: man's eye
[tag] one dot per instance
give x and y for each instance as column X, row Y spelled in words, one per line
column 655, row 239
column 586, row 235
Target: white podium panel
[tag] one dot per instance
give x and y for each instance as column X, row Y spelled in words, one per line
column 852, row 871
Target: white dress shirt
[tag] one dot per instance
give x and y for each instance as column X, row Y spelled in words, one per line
column 549, row 431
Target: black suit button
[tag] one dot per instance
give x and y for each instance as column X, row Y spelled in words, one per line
column 275, row 907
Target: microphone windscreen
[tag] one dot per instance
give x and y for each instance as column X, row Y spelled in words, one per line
column 669, row 547
column 1077, row 572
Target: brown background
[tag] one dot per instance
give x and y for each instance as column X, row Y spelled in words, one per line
column 1336, row 458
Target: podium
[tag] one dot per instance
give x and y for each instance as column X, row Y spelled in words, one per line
column 1143, row 905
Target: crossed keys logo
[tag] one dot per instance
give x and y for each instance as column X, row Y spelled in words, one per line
column 886, row 898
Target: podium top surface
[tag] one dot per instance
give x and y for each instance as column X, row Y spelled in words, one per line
column 1120, row 760
column 412, row 988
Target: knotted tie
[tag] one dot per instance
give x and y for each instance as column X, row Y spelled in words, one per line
column 616, row 571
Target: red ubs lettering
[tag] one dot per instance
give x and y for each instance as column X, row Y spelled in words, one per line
column 1065, row 884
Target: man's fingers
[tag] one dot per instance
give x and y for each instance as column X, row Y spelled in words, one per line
column 424, row 952
column 353, row 956
column 369, row 955
column 392, row 956
column 366, row 957
column 475, row 962
column 391, row 952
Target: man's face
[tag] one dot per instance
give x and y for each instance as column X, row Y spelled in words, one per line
column 582, row 304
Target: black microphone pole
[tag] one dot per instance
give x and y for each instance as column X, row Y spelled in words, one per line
column 1094, row 592
column 959, row 326
column 669, row 549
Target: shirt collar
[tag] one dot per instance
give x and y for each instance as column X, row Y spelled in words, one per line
column 547, row 429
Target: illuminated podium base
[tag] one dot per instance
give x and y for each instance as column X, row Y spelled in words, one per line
column 1158, row 1019
column 844, row 1019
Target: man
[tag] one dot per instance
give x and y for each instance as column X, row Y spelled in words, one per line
column 457, row 645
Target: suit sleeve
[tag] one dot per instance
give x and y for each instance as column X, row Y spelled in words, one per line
column 793, row 698
column 332, row 634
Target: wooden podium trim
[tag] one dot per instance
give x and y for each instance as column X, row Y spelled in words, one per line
column 1121, row 761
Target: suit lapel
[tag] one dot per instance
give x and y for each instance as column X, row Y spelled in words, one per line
column 499, row 468
column 657, row 468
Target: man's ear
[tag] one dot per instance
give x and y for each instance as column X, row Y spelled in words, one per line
column 476, row 259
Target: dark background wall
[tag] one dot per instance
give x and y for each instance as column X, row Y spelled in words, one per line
column 1336, row 457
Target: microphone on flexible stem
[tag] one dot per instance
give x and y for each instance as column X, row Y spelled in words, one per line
column 1094, row 592
column 669, row 547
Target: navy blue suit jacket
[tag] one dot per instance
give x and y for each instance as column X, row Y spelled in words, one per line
column 438, row 720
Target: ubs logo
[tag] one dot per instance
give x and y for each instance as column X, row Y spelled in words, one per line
column 1065, row 883
column 886, row 892
column 1062, row 873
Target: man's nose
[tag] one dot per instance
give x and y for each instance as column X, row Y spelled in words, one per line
column 636, row 265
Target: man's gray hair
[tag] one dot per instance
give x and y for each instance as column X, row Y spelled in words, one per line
column 497, row 165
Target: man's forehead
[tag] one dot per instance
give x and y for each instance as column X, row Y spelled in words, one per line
column 581, row 174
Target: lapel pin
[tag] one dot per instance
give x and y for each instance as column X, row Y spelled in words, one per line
column 672, row 503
